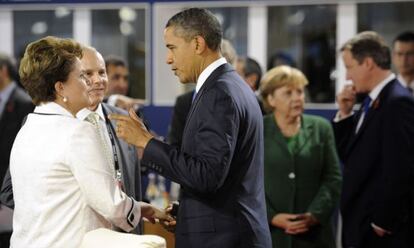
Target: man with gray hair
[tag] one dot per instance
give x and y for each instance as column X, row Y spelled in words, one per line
column 220, row 163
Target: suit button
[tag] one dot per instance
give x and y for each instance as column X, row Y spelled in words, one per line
column 292, row 175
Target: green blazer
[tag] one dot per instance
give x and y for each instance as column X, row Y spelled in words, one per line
column 309, row 180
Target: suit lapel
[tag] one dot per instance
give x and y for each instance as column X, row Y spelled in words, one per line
column 373, row 111
column 210, row 81
column 278, row 136
column 304, row 134
column 303, row 137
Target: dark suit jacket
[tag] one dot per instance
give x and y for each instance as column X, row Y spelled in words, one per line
column 128, row 164
column 128, row 161
column 219, row 167
column 378, row 171
column 181, row 109
column 314, row 187
column 17, row 108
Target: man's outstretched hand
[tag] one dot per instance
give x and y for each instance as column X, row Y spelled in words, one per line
column 131, row 129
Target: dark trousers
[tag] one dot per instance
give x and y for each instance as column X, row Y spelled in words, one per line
column 5, row 239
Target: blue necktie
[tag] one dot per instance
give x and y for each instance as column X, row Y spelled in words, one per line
column 365, row 104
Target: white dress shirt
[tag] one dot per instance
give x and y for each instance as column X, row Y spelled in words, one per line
column 373, row 94
column 409, row 85
column 63, row 186
column 207, row 72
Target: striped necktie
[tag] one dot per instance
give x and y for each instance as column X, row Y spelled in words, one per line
column 95, row 119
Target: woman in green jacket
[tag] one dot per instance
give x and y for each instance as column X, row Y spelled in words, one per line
column 302, row 176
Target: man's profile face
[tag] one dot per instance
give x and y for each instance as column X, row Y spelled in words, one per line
column 181, row 56
column 403, row 57
column 117, row 79
column 251, row 79
column 95, row 72
column 356, row 72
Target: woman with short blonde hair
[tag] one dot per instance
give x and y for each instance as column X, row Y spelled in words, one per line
column 302, row 177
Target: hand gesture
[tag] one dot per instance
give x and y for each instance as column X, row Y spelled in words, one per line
column 169, row 225
column 152, row 213
column 126, row 103
column 131, row 129
column 346, row 100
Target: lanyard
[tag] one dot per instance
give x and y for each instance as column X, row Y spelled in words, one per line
column 111, row 132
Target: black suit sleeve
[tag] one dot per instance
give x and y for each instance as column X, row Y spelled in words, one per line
column 6, row 194
column 343, row 133
column 212, row 138
column 396, row 186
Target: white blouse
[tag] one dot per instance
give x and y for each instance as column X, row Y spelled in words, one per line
column 63, row 186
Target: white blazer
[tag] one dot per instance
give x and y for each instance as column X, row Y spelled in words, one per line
column 63, row 186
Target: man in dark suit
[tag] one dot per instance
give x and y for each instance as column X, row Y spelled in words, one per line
column 375, row 145
column 183, row 101
column 220, row 163
column 15, row 104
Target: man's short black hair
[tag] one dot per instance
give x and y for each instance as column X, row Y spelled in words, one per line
column 407, row 36
column 115, row 61
column 195, row 21
column 6, row 61
column 251, row 67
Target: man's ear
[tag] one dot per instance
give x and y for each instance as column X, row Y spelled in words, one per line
column 3, row 72
column 369, row 63
column 200, row 44
column 251, row 80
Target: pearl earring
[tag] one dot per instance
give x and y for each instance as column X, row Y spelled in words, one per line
column 65, row 99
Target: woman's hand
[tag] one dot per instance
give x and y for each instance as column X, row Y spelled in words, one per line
column 152, row 213
column 294, row 223
column 169, row 225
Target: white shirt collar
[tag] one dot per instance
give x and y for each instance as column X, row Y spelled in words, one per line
column 207, row 72
column 83, row 113
column 377, row 90
column 52, row 108
column 404, row 83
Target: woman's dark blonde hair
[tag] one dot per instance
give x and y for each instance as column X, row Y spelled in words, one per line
column 278, row 77
column 45, row 62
